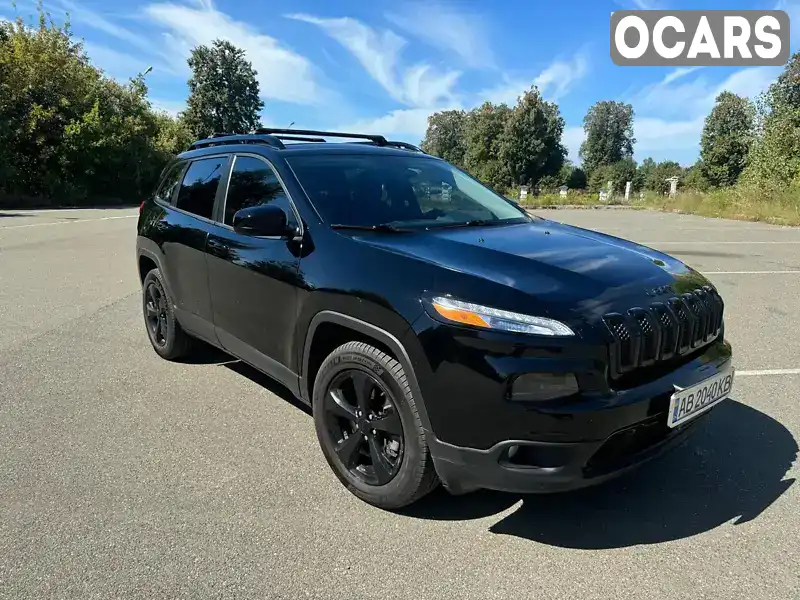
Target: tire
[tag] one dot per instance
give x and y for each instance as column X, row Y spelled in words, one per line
column 414, row 474
column 168, row 339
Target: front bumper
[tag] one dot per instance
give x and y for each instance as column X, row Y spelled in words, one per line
column 560, row 445
column 562, row 466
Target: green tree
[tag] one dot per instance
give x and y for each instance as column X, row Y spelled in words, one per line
column 663, row 171
column 775, row 154
column 223, row 91
column 69, row 134
column 727, row 136
column 785, row 91
column 531, row 142
column 619, row 173
column 571, row 176
column 445, row 136
column 645, row 175
column 609, row 134
column 624, row 171
column 484, row 138
column 694, row 179
column 599, row 178
column 174, row 135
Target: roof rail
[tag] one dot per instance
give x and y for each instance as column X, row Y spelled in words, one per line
column 298, row 138
column 218, row 139
column 403, row 145
column 378, row 140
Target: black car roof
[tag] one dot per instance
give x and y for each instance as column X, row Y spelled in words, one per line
column 301, row 149
column 299, row 142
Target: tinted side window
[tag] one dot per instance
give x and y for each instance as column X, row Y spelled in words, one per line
column 252, row 183
column 171, row 181
column 200, row 186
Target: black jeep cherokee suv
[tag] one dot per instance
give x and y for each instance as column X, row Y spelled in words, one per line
column 438, row 331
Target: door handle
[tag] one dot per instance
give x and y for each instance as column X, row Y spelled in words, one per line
column 218, row 245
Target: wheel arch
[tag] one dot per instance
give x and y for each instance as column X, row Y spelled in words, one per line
column 364, row 332
column 148, row 254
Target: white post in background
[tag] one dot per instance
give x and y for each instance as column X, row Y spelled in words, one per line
column 673, row 186
column 627, row 191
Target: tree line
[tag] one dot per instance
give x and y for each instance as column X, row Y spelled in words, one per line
column 508, row 147
column 70, row 135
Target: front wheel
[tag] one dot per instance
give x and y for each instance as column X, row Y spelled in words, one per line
column 369, row 428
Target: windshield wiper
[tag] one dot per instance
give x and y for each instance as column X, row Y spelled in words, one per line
column 479, row 223
column 380, row 227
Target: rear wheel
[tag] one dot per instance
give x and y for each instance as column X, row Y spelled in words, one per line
column 167, row 337
column 369, row 428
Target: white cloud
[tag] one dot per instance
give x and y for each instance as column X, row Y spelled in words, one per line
column 640, row 4
column 671, row 113
column 173, row 29
column 661, row 138
column 792, row 8
column 553, row 82
column 407, row 125
column 678, row 73
column 448, row 29
column 556, row 79
column 282, row 73
column 697, row 96
column 85, row 16
column 573, row 138
column 118, row 65
column 379, row 53
column 171, row 107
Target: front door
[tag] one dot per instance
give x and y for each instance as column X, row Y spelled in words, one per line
column 254, row 280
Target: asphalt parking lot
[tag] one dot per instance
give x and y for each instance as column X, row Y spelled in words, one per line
column 124, row 476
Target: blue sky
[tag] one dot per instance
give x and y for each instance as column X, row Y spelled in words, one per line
column 384, row 65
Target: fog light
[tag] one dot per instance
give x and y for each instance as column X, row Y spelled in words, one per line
column 533, row 387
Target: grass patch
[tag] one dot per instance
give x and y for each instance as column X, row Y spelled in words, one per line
column 745, row 202
column 572, row 199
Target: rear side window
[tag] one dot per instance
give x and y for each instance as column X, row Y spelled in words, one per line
column 199, row 186
column 172, row 180
column 252, row 183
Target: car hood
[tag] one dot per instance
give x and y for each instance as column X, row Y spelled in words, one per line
column 554, row 262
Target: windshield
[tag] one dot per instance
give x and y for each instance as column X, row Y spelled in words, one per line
column 406, row 191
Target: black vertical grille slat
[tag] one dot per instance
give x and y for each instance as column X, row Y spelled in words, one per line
column 664, row 331
column 670, row 330
column 650, row 336
column 686, row 320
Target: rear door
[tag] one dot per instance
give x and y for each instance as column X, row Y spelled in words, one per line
column 184, row 232
column 254, row 280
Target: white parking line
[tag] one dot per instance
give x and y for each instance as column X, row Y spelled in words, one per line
column 751, row 272
column 67, row 222
column 740, row 242
column 768, row 372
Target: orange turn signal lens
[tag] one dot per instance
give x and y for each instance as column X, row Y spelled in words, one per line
column 460, row 316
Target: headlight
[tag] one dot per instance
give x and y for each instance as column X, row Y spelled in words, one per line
column 476, row 315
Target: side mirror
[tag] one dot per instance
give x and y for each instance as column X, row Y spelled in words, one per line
column 264, row 220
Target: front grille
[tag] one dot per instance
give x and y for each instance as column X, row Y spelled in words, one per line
column 663, row 332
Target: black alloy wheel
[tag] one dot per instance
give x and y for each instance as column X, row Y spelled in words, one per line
column 166, row 335
column 364, row 425
column 156, row 313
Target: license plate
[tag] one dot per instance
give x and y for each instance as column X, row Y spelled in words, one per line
column 690, row 402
